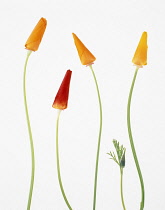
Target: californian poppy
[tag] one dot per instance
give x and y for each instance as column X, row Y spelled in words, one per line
column 61, row 99
column 140, row 56
column 86, row 57
column 35, row 37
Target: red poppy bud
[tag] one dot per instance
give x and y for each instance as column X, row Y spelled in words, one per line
column 61, row 99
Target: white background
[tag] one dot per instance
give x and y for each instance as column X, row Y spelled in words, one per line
column 111, row 30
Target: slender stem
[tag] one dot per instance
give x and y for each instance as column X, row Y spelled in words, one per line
column 132, row 143
column 121, row 188
column 99, row 140
column 30, row 133
column 58, row 163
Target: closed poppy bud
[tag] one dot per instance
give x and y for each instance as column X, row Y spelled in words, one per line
column 86, row 57
column 35, row 37
column 61, row 99
column 140, row 56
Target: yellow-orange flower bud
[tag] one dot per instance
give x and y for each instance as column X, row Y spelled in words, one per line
column 35, row 37
column 86, row 57
column 140, row 56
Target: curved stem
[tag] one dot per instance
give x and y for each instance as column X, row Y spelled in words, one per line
column 30, row 133
column 58, row 163
column 132, row 143
column 121, row 187
column 99, row 140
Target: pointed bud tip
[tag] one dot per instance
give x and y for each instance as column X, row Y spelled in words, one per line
column 44, row 19
column 73, row 34
column 69, row 71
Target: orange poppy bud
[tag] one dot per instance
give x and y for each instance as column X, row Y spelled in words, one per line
column 85, row 55
column 140, row 56
column 61, row 99
column 35, row 37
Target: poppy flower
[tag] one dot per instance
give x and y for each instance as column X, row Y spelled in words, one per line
column 35, row 37
column 61, row 99
column 86, row 57
column 140, row 56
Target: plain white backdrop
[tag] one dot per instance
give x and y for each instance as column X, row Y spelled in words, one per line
column 111, row 30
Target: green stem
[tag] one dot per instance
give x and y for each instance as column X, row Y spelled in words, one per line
column 132, row 143
column 58, row 163
column 121, row 187
column 30, row 133
column 99, row 140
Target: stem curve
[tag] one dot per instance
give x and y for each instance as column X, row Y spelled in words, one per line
column 99, row 140
column 58, row 163
column 30, row 133
column 132, row 142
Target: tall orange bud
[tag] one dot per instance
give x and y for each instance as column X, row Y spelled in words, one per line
column 140, row 56
column 35, row 37
column 61, row 99
column 86, row 57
